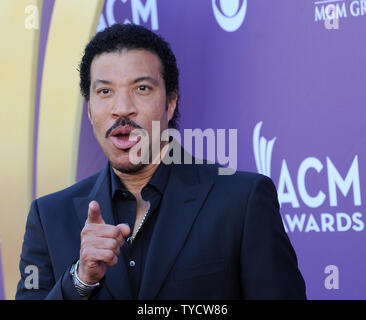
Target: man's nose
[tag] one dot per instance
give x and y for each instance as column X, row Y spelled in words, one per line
column 124, row 106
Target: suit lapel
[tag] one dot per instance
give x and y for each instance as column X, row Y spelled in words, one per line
column 182, row 201
column 116, row 278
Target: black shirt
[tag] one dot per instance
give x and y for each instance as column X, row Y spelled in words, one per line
column 124, row 206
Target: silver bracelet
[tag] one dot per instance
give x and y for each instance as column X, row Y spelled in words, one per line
column 81, row 287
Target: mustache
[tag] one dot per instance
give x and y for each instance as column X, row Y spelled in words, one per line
column 122, row 122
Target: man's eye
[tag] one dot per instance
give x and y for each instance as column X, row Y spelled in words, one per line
column 104, row 91
column 143, row 88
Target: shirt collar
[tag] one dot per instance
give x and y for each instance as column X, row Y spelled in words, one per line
column 159, row 180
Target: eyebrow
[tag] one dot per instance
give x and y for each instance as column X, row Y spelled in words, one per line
column 149, row 79
column 96, row 82
column 141, row 79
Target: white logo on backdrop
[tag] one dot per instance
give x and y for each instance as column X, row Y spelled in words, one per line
column 299, row 193
column 262, row 151
column 231, row 16
column 140, row 13
column 331, row 11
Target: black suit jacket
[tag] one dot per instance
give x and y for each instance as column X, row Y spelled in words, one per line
column 216, row 237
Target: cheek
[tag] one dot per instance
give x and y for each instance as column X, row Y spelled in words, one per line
column 98, row 122
column 150, row 113
column 161, row 111
column 160, row 120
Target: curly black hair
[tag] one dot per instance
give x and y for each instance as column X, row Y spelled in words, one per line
column 131, row 36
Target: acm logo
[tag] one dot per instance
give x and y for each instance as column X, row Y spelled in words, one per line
column 129, row 11
column 321, row 217
column 229, row 14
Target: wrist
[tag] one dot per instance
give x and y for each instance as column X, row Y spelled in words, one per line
column 80, row 276
column 84, row 289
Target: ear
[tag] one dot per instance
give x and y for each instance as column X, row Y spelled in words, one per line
column 89, row 112
column 172, row 104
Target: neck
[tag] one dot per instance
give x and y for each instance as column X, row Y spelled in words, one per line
column 136, row 181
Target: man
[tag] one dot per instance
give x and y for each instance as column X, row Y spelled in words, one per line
column 152, row 230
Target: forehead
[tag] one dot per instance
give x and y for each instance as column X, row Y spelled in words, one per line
column 126, row 64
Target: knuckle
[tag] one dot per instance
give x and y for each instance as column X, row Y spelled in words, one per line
column 110, row 256
column 115, row 232
column 84, row 242
column 85, row 231
column 113, row 243
column 84, row 254
column 112, row 261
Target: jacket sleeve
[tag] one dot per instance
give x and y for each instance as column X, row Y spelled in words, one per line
column 37, row 278
column 269, row 267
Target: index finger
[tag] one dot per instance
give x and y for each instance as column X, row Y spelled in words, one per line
column 94, row 213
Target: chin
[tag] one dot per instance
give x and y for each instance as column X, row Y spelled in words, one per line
column 128, row 168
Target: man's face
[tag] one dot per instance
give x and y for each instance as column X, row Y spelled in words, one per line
column 127, row 91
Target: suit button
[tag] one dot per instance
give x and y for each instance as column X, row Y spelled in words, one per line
column 132, row 263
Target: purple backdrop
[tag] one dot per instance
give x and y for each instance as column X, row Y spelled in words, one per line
column 282, row 70
column 45, row 23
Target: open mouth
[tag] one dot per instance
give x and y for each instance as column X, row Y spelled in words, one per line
column 123, row 138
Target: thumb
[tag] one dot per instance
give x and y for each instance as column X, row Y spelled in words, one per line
column 125, row 229
column 94, row 214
